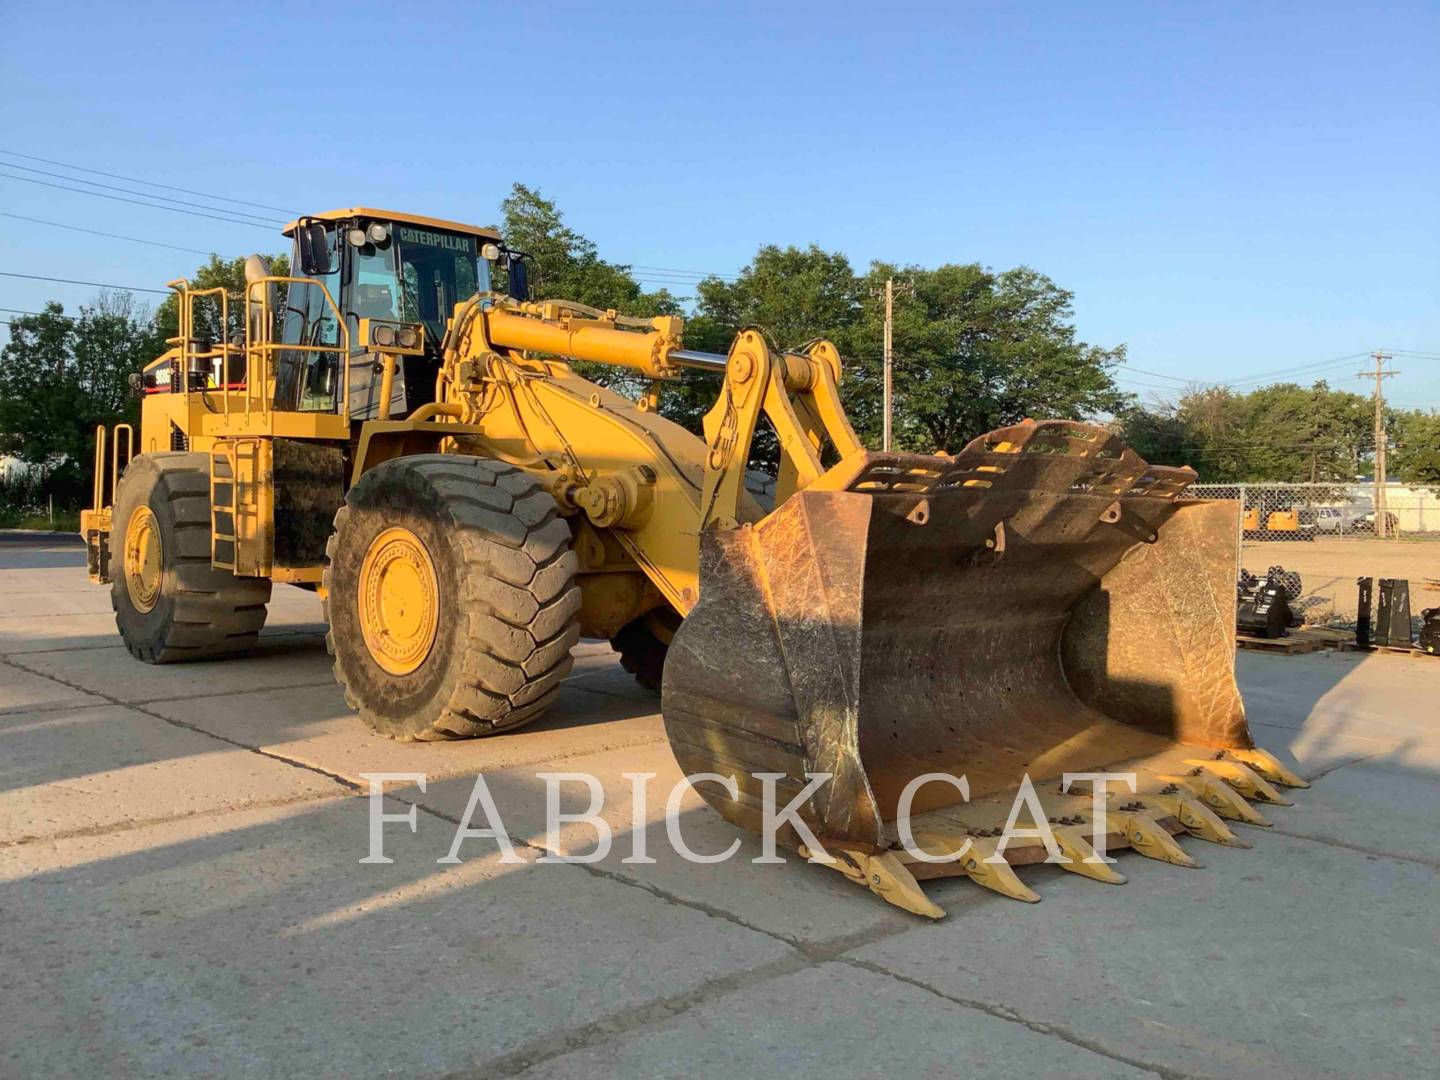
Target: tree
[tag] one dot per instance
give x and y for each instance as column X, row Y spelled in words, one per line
column 1282, row 432
column 975, row 350
column 567, row 266
column 228, row 274
column 793, row 294
column 564, row 265
column 1416, row 458
column 60, row 376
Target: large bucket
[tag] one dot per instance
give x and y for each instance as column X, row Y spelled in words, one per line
column 1043, row 603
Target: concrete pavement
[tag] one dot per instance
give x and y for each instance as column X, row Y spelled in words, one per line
column 181, row 894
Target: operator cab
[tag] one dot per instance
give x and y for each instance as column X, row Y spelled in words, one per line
column 396, row 279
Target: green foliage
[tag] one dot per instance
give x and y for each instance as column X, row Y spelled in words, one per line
column 564, row 265
column 567, row 266
column 1416, row 457
column 228, row 274
column 1283, row 432
column 60, row 376
column 974, row 349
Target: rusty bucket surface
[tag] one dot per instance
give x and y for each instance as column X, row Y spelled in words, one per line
column 1043, row 603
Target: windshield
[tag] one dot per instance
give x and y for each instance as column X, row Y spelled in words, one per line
column 417, row 275
column 438, row 271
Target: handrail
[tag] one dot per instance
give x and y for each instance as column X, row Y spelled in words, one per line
column 97, row 493
column 185, row 321
column 102, row 436
column 115, row 455
column 262, row 349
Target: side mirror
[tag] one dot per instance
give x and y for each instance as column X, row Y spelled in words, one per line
column 312, row 243
column 519, row 277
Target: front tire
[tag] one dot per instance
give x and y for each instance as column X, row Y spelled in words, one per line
column 170, row 603
column 451, row 597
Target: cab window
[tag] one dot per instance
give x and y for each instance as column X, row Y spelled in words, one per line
column 305, row 380
column 437, row 271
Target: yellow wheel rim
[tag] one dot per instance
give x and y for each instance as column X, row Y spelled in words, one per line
column 399, row 601
column 144, row 559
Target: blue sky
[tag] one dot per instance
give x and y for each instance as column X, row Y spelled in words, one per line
column 1228, row 189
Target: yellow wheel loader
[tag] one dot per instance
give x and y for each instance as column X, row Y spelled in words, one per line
column 906, row 641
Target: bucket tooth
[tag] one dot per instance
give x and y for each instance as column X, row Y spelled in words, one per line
column 1269, row 766
column 1220, row 797
column 1199, row 820
column 1083, row 860
column 884, row 875
column 1149, row 838
column 1243, row 779
column 997, row 876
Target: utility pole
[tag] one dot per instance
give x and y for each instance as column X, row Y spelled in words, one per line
column 889, row 359
column 1382, row 520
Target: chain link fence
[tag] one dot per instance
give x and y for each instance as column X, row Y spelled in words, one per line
column 1332, row 534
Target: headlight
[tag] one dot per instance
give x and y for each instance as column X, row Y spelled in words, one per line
column 383, row 336
column 407, row 337
column 377, row 233
column 355, row 237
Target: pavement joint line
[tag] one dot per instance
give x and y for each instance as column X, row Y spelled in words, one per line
column 521, row 763
column 57, row 614
column 1004, row 1012
column 137, row 707
column 22, row 710
column 622, row 879
column 1418, row 860
column 119, row 828
column 1297, row 728
column 72, row 648
column 1335, row 766
column 120, row 645
column 608, row 1028
column 807, row 954
column 586, row 674
column 606, row 693
column 231, row 693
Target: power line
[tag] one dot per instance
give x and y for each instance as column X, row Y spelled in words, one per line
column 97, row 232
column 1304, row 369
column 147, row 195
column 135, row 202
column 92, row 284
column 41, row 314
column 697, row 275
column 1315, row 367
column 666, row 275
column 147, row 183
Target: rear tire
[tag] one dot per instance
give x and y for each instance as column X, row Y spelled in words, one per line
column 642, row 644
column 172, row 605
column 496, row 583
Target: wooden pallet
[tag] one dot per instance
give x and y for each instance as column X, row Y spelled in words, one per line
column 1307, row 639
column 1400, row 649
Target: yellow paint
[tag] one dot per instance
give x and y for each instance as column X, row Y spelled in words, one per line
column 393, row 215
column 506, row 390
column 144, row 559
column 399, row 601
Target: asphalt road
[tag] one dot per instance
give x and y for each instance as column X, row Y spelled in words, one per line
column 181, row 893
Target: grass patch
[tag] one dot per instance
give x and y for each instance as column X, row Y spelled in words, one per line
column 66, row 521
